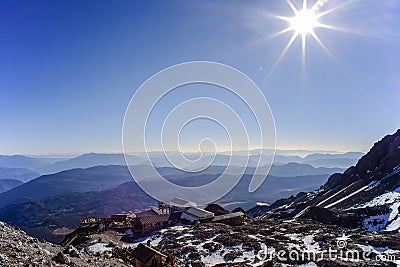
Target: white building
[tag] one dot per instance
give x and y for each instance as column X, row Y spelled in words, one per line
column 196, row 214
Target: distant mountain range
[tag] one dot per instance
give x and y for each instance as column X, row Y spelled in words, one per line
column 45, row 165
column 295, row 169
column 342, row 160
column 31, row 163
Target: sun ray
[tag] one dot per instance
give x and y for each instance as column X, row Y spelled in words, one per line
column 303, row 51
column 294, row 9
column 289, row 44
column 288, row 29
column 315, row 36
column 326, row 26
column 326, row 12
column 282, row 18
column 343, row 70
column 314, row 7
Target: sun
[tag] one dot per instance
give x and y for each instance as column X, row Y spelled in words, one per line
column 303, row 24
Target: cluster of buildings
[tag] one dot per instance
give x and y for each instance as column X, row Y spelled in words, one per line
column 136, row 224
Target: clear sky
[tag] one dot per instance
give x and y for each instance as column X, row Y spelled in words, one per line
column 69, row 68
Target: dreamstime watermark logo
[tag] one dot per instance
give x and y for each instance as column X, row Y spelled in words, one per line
column 310, row 253
column 341, row 242
column 152, row 92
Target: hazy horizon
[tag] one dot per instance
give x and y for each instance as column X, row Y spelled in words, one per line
column 288, row 152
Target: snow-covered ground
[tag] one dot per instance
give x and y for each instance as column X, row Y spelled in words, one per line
column 384, row 199
column 99, row 247
column 389, row 221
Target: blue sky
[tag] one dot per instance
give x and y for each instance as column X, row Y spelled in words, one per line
column 69, row 68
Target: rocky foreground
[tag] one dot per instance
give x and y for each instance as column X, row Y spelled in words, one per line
column 19, row 249
column 262, row 242
column 257, row 242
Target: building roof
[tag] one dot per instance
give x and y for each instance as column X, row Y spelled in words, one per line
column 146, row 213
column 154, row 219
column 228, row 216
column 144, row 253
column 199, row 213
column 119, row 215
column 180, row 202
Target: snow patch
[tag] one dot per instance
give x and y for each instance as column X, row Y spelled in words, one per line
column 395, row 211
column 262, row 204
column 255, row 236
column 293, row 236
column 346, row 197
column 184, row 236
column 394, row 225
column 310, row 243
column 99, row 247
column 376, row 222
column 384, row 199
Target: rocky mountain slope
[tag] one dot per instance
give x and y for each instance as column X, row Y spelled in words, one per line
column 365, row 195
